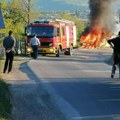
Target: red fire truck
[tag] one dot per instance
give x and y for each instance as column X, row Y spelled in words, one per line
column 55, row 36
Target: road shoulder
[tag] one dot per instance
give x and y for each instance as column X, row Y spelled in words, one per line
column 30, row 101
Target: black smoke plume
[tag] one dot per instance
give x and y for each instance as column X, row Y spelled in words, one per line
column 101, row 13
column 102, row 22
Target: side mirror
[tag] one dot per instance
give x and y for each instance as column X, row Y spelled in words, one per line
column 25, row 33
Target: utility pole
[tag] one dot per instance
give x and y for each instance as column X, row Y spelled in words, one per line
column 29, row 11
column 27, row 8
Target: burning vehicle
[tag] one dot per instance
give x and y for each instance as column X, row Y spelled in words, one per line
column 102, row 26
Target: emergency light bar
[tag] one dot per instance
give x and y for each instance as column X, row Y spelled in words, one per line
column 52, row 21
column 65, row 21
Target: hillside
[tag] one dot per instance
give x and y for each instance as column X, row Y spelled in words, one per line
column 61, row 5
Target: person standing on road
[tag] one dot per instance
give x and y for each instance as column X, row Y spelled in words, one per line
column 35, row 43
column 115, row 44
column 9, row 44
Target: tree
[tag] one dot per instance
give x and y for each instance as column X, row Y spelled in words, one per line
column 29, row 10
column 13, row 17
column 15, row 14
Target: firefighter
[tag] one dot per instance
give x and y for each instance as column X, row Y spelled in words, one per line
column 35, row 43
column 115, row 44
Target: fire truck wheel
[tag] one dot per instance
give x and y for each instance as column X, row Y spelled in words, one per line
column 31, row 54
column 69, row 51
column 43, row 54
column 58, row 52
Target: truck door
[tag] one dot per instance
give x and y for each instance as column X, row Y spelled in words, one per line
column 74, row 36
column 63, row 37
column 67, row 36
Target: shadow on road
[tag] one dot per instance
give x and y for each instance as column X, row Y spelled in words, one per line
column 94, row 98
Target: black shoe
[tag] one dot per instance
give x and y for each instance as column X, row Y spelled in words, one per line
column 112, row 76
column 9, row 71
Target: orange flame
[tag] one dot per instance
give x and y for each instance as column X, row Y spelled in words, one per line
column 93, row 38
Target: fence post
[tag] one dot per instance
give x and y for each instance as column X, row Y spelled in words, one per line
column 2, row 52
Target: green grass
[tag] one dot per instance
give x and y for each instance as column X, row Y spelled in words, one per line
column 5, row 106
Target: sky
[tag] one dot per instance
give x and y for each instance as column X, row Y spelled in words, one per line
column 61, row 5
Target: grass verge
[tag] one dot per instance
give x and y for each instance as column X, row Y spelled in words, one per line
column 5, row 106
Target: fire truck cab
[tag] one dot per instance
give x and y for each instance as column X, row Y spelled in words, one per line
column 55, row 36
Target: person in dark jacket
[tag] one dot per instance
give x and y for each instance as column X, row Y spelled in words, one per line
column 9, row 44
column 115, row 44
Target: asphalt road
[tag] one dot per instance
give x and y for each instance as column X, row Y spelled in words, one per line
column 81, row 85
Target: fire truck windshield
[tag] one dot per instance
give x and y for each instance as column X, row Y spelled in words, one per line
column 40, row 31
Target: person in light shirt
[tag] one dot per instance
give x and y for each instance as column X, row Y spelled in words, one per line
column 35, row 43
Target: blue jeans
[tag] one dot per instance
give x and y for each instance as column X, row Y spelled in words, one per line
column 116, row 61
